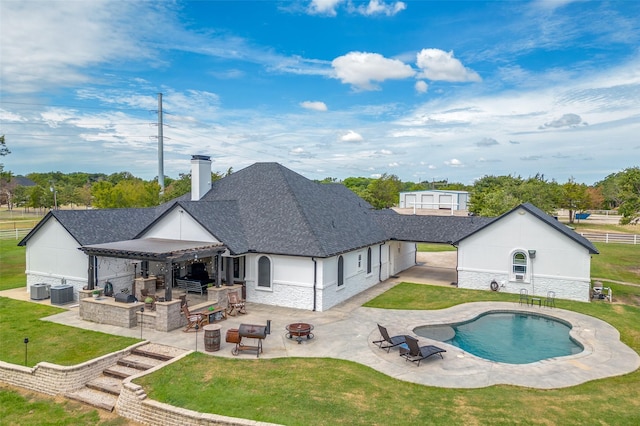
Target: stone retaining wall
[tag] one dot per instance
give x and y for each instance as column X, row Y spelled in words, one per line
column 53, row 379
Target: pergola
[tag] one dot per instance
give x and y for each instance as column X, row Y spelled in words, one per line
column 157, row 250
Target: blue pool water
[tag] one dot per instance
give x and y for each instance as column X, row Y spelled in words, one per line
column 510, row 337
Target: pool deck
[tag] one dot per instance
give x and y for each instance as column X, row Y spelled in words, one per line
column 348, row 330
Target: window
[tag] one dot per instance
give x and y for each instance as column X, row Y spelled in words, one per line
column 519, row 265
column 340, row 271
column 369, row 260
column 264, row 272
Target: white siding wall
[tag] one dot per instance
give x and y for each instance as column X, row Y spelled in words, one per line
column 560, row 264
column 293, row 279
column 292, row 282
column 52, row 257
column 179, row 225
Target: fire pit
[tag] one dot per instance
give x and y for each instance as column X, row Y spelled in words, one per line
column 248, row 331
column 300, row 330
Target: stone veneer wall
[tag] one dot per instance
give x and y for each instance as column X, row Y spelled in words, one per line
column 53, row 379
column 133, row 404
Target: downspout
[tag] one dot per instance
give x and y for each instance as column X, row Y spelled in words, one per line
column 315, row 281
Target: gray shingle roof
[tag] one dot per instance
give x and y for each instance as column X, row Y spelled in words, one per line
column 282, row 212
column 429, row 229
column 549, row 220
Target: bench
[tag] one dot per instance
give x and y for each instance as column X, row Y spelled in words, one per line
column 191, row 286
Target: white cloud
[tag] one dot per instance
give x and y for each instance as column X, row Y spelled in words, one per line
column 64, row 38
column 567, row 120
column 421, row 86
column 386, row 152
column 454, row 162
column 438, row 65
column 374, row 7
column 362, row 69
column 351, row 136
column 314, row 105
column 324, row 7
column 377, row 7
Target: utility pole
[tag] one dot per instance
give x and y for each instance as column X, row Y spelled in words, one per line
column 160, row 147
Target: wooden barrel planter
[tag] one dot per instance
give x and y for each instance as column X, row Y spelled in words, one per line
column 212, row 337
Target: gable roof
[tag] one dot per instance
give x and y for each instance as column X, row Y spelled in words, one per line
column 548, row 220
column 98, row 226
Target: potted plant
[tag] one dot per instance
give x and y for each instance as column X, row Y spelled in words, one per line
column 148, row 302
column 96, row 293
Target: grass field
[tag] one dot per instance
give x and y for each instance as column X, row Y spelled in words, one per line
column 12, row 262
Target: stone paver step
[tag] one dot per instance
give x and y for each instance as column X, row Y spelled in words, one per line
column 120, row 371
column 104, row 401
column 156, row 351
column 106, row 384
column 139, row 362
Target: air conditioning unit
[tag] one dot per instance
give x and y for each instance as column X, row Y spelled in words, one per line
column 519, row 277
column 39, row 291
column 61, row 294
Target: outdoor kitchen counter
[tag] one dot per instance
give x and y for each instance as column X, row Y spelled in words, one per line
column 105, row 310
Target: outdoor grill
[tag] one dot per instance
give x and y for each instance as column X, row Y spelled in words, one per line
column 248, row 331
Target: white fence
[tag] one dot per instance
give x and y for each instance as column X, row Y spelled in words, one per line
column 596, row 237
column 16, row 234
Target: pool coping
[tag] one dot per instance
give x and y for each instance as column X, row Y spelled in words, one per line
column 604, row 355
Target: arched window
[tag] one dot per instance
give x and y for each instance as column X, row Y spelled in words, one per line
column 369, row 260
column 340, row 271
column 519, row 265
column 264, row 272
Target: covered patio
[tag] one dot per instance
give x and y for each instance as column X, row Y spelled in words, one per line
column 125, row 307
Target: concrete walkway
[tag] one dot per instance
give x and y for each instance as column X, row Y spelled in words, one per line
column 348, row 330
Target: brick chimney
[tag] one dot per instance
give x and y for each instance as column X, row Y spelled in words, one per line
column 200, row 176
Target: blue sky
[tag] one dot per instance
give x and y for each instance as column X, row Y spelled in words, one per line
column 329, row 88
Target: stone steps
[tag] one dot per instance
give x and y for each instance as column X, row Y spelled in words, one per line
column 95, row 398
column 106, row 384
column 103, row 391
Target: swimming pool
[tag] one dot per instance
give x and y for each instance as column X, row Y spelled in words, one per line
column 509, row 337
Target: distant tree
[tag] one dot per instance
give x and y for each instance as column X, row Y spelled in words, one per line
column 574, row 197
column 328, row 180
column 482, row 200
column 82, row 195
column 384, row 192
column 4, row 150
column 359, row 185
column 630, row 186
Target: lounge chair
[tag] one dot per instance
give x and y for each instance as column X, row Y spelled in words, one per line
column 235, row 304
column 194, row 318
column 416, row 353
column 390, row 341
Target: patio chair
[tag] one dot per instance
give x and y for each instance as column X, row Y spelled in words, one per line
column 550, row 301
column 236, row 304
column 194, row 318
column 524, row 296
column 416, row 353
column 390, row 341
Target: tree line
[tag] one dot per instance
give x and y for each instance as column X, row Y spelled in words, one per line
column 489, row 195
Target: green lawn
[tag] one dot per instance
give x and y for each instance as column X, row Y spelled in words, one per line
column 30, row 409
column 330, row 391
column 48, row 341
column 12, row 261
column 618, row 262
